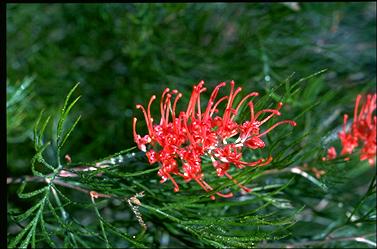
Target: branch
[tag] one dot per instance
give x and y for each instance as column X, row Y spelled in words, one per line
column 62, row 174
column 12, row 180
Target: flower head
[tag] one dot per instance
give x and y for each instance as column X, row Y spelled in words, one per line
column 180, row 140
column 361, row 133
column 364, row 127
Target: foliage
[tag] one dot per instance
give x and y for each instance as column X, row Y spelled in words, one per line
column 18, row 99
column 315, row 60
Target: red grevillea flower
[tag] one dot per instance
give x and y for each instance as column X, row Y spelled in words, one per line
column 362, row 131
column 179, row 142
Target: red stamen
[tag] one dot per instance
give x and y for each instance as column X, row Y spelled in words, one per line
column 267, row 161
column 147, row 119
column 176, row 188
column 292, row 123
column 280, row 104
column 356, row 107
column 236, row 182
column 167, row 106
column 201, row 184
column 230, row 101
column 206, row 184
column 195, row 94
column 250, row 164
column 199, row 107
column 228, row 195
column 345, row 118
column 149, row 112
column 211, row 100
column 187, row 130
column 175, row 104
column 134, row 128
column 273, row 112
column 372, row 107
column 217, row 103
column 161, row 104
column 251, row 105
column 242, row 101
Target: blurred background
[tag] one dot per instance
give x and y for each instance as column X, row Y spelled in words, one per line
column 124, row 53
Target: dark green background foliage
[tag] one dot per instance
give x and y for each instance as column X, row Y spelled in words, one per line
column 315, row 58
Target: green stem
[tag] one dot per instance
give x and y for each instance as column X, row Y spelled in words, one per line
column 62, row 210
column 101, row 223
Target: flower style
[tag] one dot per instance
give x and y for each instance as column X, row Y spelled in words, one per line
column 362, row 131
column 180, row 141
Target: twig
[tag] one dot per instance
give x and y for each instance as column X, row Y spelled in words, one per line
column 24, row 178
column 68, row 185
column 12, row 180
column 57, row 181
column 63, row 173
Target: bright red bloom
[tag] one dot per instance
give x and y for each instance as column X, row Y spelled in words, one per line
column 362, row 131
column 349, row 140
column 364, row 128
column 331, row 153
column 178, row 142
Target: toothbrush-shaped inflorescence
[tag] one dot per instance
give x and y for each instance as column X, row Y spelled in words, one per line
column 180, row 140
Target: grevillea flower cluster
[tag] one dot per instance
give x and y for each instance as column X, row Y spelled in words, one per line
column 179, row 142
column 361, row 133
